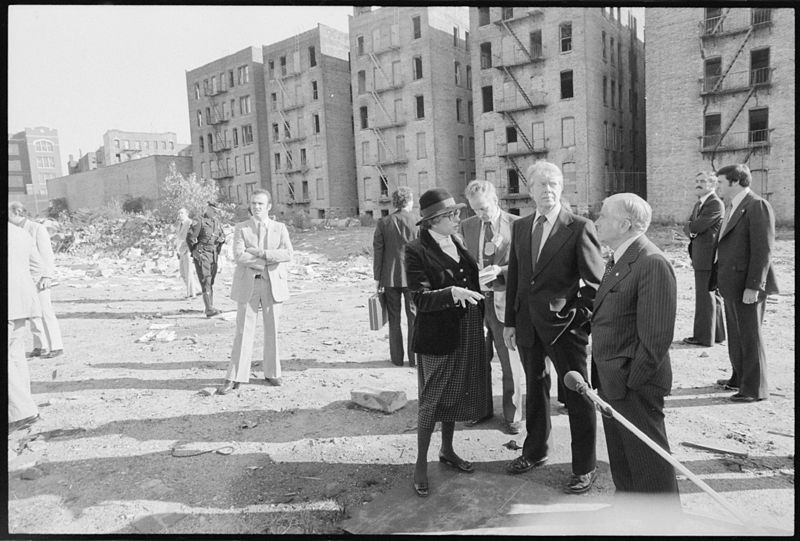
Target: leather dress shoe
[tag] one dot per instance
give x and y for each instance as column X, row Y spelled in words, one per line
column 692, row 341
column 473, row 422
column 228, row 387
column 522, row 464
column 53, row 353
column 512, row 428
column 37, row 352
column 578, row 484
column 214, row 312
column 738, row 397
column 21, row 424
column 275, row 382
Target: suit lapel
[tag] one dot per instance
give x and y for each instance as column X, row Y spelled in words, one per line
column 558, row 236
column 621, row 269
column 735, row 216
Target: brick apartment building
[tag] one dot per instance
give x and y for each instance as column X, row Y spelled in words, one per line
column 723, row 93
column 561, row 84
column 228, row 123
column 34, row 157
column 121, row 146
column 411, row 74
column 309, row 108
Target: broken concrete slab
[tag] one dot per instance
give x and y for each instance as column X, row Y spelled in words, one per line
column 379, row 399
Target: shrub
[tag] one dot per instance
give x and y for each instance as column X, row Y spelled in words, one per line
column 137, row 205
column 189, row 192
column 57, row 207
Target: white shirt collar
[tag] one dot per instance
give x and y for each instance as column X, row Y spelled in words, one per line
column 257, row 221
column 620, row 251
column 439, row 238
column 704, row 197
column 738, row 198
column 550, row 216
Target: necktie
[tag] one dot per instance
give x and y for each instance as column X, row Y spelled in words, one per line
column 488, row 247
column 262, row 235
column 536, row 239
column 696, row 210
column 609, row 266
column 728, row 209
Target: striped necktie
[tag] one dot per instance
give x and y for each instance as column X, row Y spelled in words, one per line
column 536, row 239
column 609, row 266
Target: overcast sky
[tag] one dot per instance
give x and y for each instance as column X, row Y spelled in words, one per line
column 86, row 69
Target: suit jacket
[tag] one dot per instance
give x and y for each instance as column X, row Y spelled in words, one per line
column 24, row 269
column 634, row 322
column 278, row 250
column 42, row 243
column 470, row 231
column 703, row 232
column 430, row 274
column 551, row 298
column 392, row 234
column 745, row 247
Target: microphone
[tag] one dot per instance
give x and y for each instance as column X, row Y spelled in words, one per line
column 575, row 382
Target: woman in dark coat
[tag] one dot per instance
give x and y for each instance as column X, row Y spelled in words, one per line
column 448, row 331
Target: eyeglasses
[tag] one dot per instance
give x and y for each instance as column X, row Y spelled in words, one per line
column 453, row 214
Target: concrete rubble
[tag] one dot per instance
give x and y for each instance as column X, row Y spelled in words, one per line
column 379, row 399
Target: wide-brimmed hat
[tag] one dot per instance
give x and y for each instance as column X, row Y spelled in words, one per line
column 435, row 202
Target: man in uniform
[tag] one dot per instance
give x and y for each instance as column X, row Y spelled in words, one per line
column 205, row 240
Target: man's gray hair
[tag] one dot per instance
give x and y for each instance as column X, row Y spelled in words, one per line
column 480, row 187
column 707, row 176
column 545, row 169
column 17, row 208
column 632, row 207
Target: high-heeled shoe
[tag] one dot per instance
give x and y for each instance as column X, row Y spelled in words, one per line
column 458, row 463
column 228, row 387
column 421, row 489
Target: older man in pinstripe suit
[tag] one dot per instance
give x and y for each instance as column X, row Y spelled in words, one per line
column 632, row 328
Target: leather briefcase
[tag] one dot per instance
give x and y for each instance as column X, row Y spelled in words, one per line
column 377, row 312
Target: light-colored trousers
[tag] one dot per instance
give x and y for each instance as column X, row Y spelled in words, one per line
column 188, row 274
column 46, row 331
column 510, row 364
column 20, row 400
column 242, row 354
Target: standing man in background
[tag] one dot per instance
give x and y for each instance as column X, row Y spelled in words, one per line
column 205, row 240
column 24, row 268
column 554, row 269
column 261, row 247
column 47, row 342
column 488, row 239
column 392, row 234
column 632, row 328
column 744, row 259
column 703, row 231
column 184, row 257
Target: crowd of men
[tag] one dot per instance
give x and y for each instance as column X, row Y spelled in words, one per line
column 545, row 285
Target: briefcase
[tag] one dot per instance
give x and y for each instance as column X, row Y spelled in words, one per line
column 377, row 312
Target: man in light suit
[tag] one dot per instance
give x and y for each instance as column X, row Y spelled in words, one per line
column 261, row 248
column 746, row 277
column 389, row 241
column 47, row 341
column 632, row 328
column 703, row 230
column 24, row 269
column 488, row 238
column 547, row 314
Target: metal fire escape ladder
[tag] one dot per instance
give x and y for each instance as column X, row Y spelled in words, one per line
column 382, row 141
column 735, row 116
column 379, row 101
column 519, row 86
column 719, row 21
column 728, row 69
column 520, row 174
column 516, row 38
column 380, row 68
column 520, row 131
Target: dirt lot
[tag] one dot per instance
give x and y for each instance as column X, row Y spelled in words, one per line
column 304, row 458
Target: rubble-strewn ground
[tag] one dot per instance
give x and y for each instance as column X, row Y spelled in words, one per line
column 303, row 457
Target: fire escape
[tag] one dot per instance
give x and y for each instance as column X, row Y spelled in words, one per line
column 387, row 156
column 533, row 100
column 292, row 167
column 219, row 119
column 732, row 24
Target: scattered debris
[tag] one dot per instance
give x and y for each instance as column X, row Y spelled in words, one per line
column 512, row 444
column 207, row 391
column 379, row 399
column 780, row 433
column 197, row 449
column 715, row 449
column 32, row 473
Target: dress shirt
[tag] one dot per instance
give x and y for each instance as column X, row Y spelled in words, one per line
column 547, row 226
column 730, row 210
column 495, row 225
column 703, row 200
column 446, row 244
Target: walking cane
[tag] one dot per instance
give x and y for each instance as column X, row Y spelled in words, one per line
column 575, row 382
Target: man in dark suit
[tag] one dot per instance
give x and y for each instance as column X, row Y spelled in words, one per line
column 745, row 278
column 547, row 315
column 392, row 234
column 487, row 236
column 703, row 230
column 632, row 328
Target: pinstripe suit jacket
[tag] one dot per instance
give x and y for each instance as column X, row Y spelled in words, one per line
column 634, row 322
